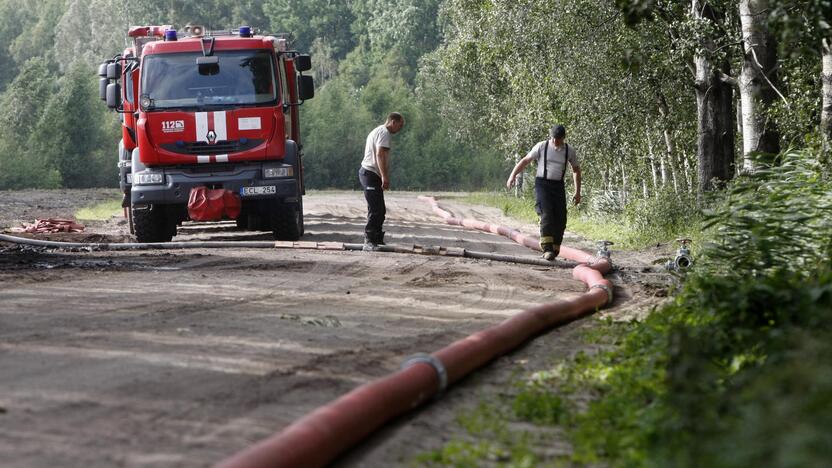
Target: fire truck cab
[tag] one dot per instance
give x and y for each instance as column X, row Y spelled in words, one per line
column 210, row 129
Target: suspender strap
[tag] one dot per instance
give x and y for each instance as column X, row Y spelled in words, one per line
column 545, row 160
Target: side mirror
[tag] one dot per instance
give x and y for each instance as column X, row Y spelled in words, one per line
column 113, row 71
column 209, row 65
column 102, row 70
column 303, row 63
column 306, row 88
column 113, row 96
column 102, row 88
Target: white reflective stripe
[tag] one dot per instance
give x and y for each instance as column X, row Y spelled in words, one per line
column 219, row 126
column 202, row 126
column 222, row 158
column 203, row 159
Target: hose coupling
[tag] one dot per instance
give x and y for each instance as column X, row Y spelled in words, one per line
column 603, row 249
column 441, row 373
column 605, row 288
column 683, row 259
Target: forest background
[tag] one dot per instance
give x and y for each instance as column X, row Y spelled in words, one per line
column 367, row 56
column 652, row 108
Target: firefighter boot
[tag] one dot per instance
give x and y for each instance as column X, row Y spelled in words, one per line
column 370, row 243
column 550, row 252
column 380, row 238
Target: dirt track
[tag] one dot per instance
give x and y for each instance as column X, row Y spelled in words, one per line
column 181, row 358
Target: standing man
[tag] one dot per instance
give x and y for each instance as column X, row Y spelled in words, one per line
column 551, row 157
column 375, row 177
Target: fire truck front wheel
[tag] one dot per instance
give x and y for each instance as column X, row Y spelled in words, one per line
column 287, row 222
column 153, row 224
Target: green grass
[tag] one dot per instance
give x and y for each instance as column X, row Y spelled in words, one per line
column 629, row 231
column 521, row 209
column 496, row 443
column 100, row 212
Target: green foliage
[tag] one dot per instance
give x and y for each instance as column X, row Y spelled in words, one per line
column 540, row 406
column 424, row 156
column 12, row 22
column 496, row 443
column 21, row 108
column 79, row 148
column 732, row 373
column 515, row 68
column 737, row 370
column 366, row 64
column 307, row 20
column 662, row 217
column 518, row 208
column 801, row 25
column 778, row 218
column 798, row 117
column 643, row 223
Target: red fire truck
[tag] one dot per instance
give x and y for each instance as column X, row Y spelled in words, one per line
column 210, row 129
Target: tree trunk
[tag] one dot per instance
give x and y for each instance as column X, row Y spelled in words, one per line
column 624, row 189
column 826, row 111
column 606, row 180
column 715, row 116
column 670, row 147
column 688, row 172
column 652, row 157
column 757, row 81
column 654, row 173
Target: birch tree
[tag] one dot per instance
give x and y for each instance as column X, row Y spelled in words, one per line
column 714, row 101
column 758, row 81
column 826, row 77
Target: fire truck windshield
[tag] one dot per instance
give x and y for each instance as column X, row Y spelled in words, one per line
column 245, row 77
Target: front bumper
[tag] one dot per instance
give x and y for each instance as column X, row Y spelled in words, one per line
column 178, row 183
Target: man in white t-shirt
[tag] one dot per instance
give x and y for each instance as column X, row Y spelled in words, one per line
column 551, row 157
column 374, row 176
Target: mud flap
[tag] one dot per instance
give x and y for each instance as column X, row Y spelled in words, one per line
column 212, row 204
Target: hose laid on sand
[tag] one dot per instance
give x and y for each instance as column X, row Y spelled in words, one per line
column 319, row 437
column 414, row 249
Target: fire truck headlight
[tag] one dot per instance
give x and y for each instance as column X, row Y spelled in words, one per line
column 276, row 172
column 144, row 178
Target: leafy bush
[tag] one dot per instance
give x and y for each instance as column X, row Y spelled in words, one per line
column 604, row 204
column 736, row 371
column 663, row 216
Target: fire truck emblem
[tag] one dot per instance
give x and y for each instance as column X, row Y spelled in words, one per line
column 212, row 136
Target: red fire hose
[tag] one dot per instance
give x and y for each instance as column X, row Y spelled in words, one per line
column 319, row 437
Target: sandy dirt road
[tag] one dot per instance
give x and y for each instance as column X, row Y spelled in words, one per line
column 182, row 358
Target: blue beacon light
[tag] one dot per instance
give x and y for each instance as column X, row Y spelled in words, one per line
column 245, row 31
column 170, row 35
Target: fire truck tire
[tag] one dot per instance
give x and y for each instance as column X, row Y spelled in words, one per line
column 301, row 227
column 287, row 222
column 153, row 225
column 130, row 221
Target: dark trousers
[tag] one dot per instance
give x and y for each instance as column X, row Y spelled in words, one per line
column 376, row 210
column 550, row 204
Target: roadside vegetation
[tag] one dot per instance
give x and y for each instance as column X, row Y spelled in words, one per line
column 641, row 224
column 736, row 371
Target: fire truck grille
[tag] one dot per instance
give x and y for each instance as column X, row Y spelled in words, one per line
column 220, row 147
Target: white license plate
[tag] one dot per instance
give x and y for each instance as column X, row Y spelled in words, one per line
column 265, row 190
